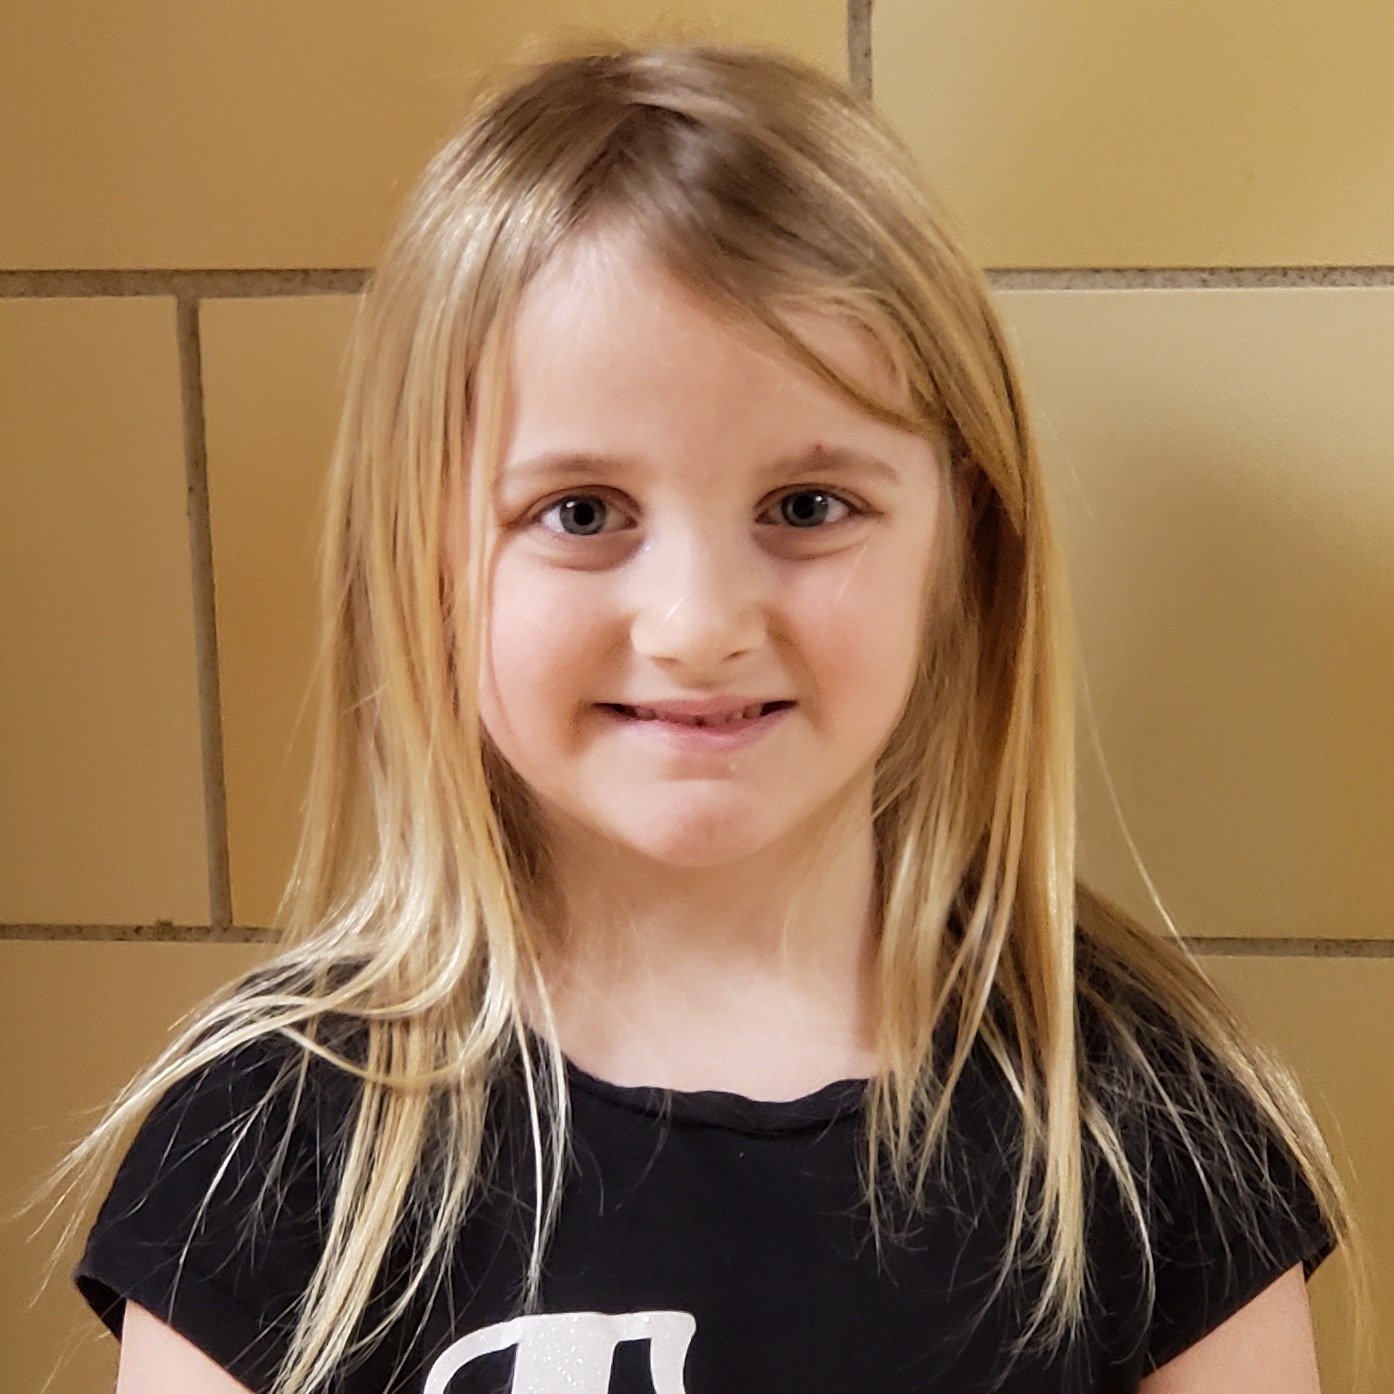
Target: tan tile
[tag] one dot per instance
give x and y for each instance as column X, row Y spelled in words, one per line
column 272, row 395
column 263, row 134
column 1332, row 1021
column 76, row 1023
column 101, row 803
column 1170, row 134
column 1220, row 464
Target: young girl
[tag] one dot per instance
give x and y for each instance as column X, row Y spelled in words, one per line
column 688, row 988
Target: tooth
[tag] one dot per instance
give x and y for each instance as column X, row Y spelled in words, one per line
column 748, row 714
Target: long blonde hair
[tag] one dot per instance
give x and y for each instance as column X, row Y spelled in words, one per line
column 421, row 885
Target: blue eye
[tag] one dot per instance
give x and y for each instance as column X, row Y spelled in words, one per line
column 807, row 509
column 808, row 515
column 585, row 510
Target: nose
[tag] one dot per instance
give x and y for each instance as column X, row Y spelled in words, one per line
column 698, row 600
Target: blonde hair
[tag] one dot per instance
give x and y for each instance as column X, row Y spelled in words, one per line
column 421, row 886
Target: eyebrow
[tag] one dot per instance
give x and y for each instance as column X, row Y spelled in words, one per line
column 570, row 464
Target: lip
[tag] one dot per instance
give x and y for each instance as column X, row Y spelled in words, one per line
column 682, row 736
column 702, row 706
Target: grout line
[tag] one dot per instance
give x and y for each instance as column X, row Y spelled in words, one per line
column 1191, row 277
column 161, row 932
column 231, row 284
column 859, row 47
column 1279, row 947
column 192, row 284
column 205, row 615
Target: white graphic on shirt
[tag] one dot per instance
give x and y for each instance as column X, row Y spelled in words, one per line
column 572, row 1352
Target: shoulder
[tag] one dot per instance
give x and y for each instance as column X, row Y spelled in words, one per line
column 267, row 1090
column 234, row 1114
column 1226, row 1204
column 216, row 1217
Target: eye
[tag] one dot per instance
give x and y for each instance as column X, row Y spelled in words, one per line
column 587, row 512
column 807, row 508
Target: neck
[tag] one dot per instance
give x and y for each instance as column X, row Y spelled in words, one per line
column 759, row 973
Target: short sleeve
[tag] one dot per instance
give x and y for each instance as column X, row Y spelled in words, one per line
column 216, row 1216
column 1227, row 1220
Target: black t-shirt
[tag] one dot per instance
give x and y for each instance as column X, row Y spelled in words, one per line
column 707, row 1244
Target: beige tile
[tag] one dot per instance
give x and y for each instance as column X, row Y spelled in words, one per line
column 1220, row 464
column 272, row 395
column 1163, row 133
column 101, row 803
column 264, row 134
column 76, row 1023
column 1332, row 1021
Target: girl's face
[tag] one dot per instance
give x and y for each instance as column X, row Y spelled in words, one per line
column 684, row 515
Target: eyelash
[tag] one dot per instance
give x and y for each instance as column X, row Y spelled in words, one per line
column 854, row 510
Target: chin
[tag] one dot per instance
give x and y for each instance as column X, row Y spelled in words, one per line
column 693, row 844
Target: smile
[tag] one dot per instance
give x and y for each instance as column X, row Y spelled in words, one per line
column 702, row 733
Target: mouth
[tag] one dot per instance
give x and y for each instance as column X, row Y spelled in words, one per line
column 733, row 719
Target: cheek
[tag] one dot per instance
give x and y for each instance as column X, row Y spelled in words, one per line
column 538, row 652
column 866, row 629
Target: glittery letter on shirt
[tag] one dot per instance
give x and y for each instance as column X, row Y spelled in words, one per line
column 572, row 1352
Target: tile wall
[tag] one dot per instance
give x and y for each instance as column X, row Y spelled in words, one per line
column 1189, row 216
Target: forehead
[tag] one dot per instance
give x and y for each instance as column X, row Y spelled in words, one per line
column 610, row 349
